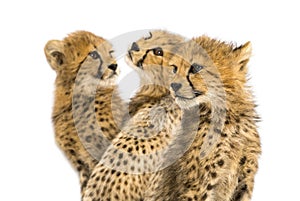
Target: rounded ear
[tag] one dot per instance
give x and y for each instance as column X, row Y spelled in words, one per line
column 243, row 54
column 54, row 52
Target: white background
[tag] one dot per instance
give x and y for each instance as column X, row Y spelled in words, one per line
column 33, row 168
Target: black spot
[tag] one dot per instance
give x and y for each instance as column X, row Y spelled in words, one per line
column 243, row 160
column 209, row 187
column 120, row 155
column 221, row 163
column 213, row 174
column 72, row 152
column 204, row 197
column 244, row 188
column 129, row 150
column 104, row 129
column 80, row 162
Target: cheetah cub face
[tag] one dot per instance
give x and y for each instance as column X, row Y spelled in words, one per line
column 85, row 55
column 194, row 74
column 149, row 54
column 202, row 78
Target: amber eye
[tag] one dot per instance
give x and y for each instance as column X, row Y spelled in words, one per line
column 195, row 68
column 94, row 55
column 175, row 68
column 158, row 51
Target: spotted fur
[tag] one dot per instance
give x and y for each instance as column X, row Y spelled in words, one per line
column 126, row 169
column 226, row 172
column 85, row 94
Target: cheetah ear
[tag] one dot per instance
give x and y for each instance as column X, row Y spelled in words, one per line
column 243, row 54
column 55, row 54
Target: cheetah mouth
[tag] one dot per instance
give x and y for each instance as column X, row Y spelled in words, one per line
column 196, row 94
column 184, row 98
column 140, row 63
column 130, row 62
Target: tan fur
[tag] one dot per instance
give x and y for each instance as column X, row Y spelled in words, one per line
column 225, row 173
column 221, row 162
column 136, row 153
column 77, row 132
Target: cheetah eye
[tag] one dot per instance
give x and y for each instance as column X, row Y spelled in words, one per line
column 158, row 51
column 175, row 68
column 195, row 68
column 94, row 55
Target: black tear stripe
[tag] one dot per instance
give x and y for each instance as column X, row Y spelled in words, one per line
column 144, row 57
column 190, row 82
column 99, row 74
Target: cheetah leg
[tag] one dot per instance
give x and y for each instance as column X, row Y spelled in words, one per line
column 244, row 190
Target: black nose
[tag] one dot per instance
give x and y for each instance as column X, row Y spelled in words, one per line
column 113, row 67
column 134, row 47
column 176, row 86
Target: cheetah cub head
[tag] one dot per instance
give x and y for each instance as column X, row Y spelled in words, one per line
column 82, row 56
column 208, row 71
column 149, row 54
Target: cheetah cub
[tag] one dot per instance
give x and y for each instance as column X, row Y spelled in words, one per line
column 217, row 83
column 85, row 94
column 137, row 152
